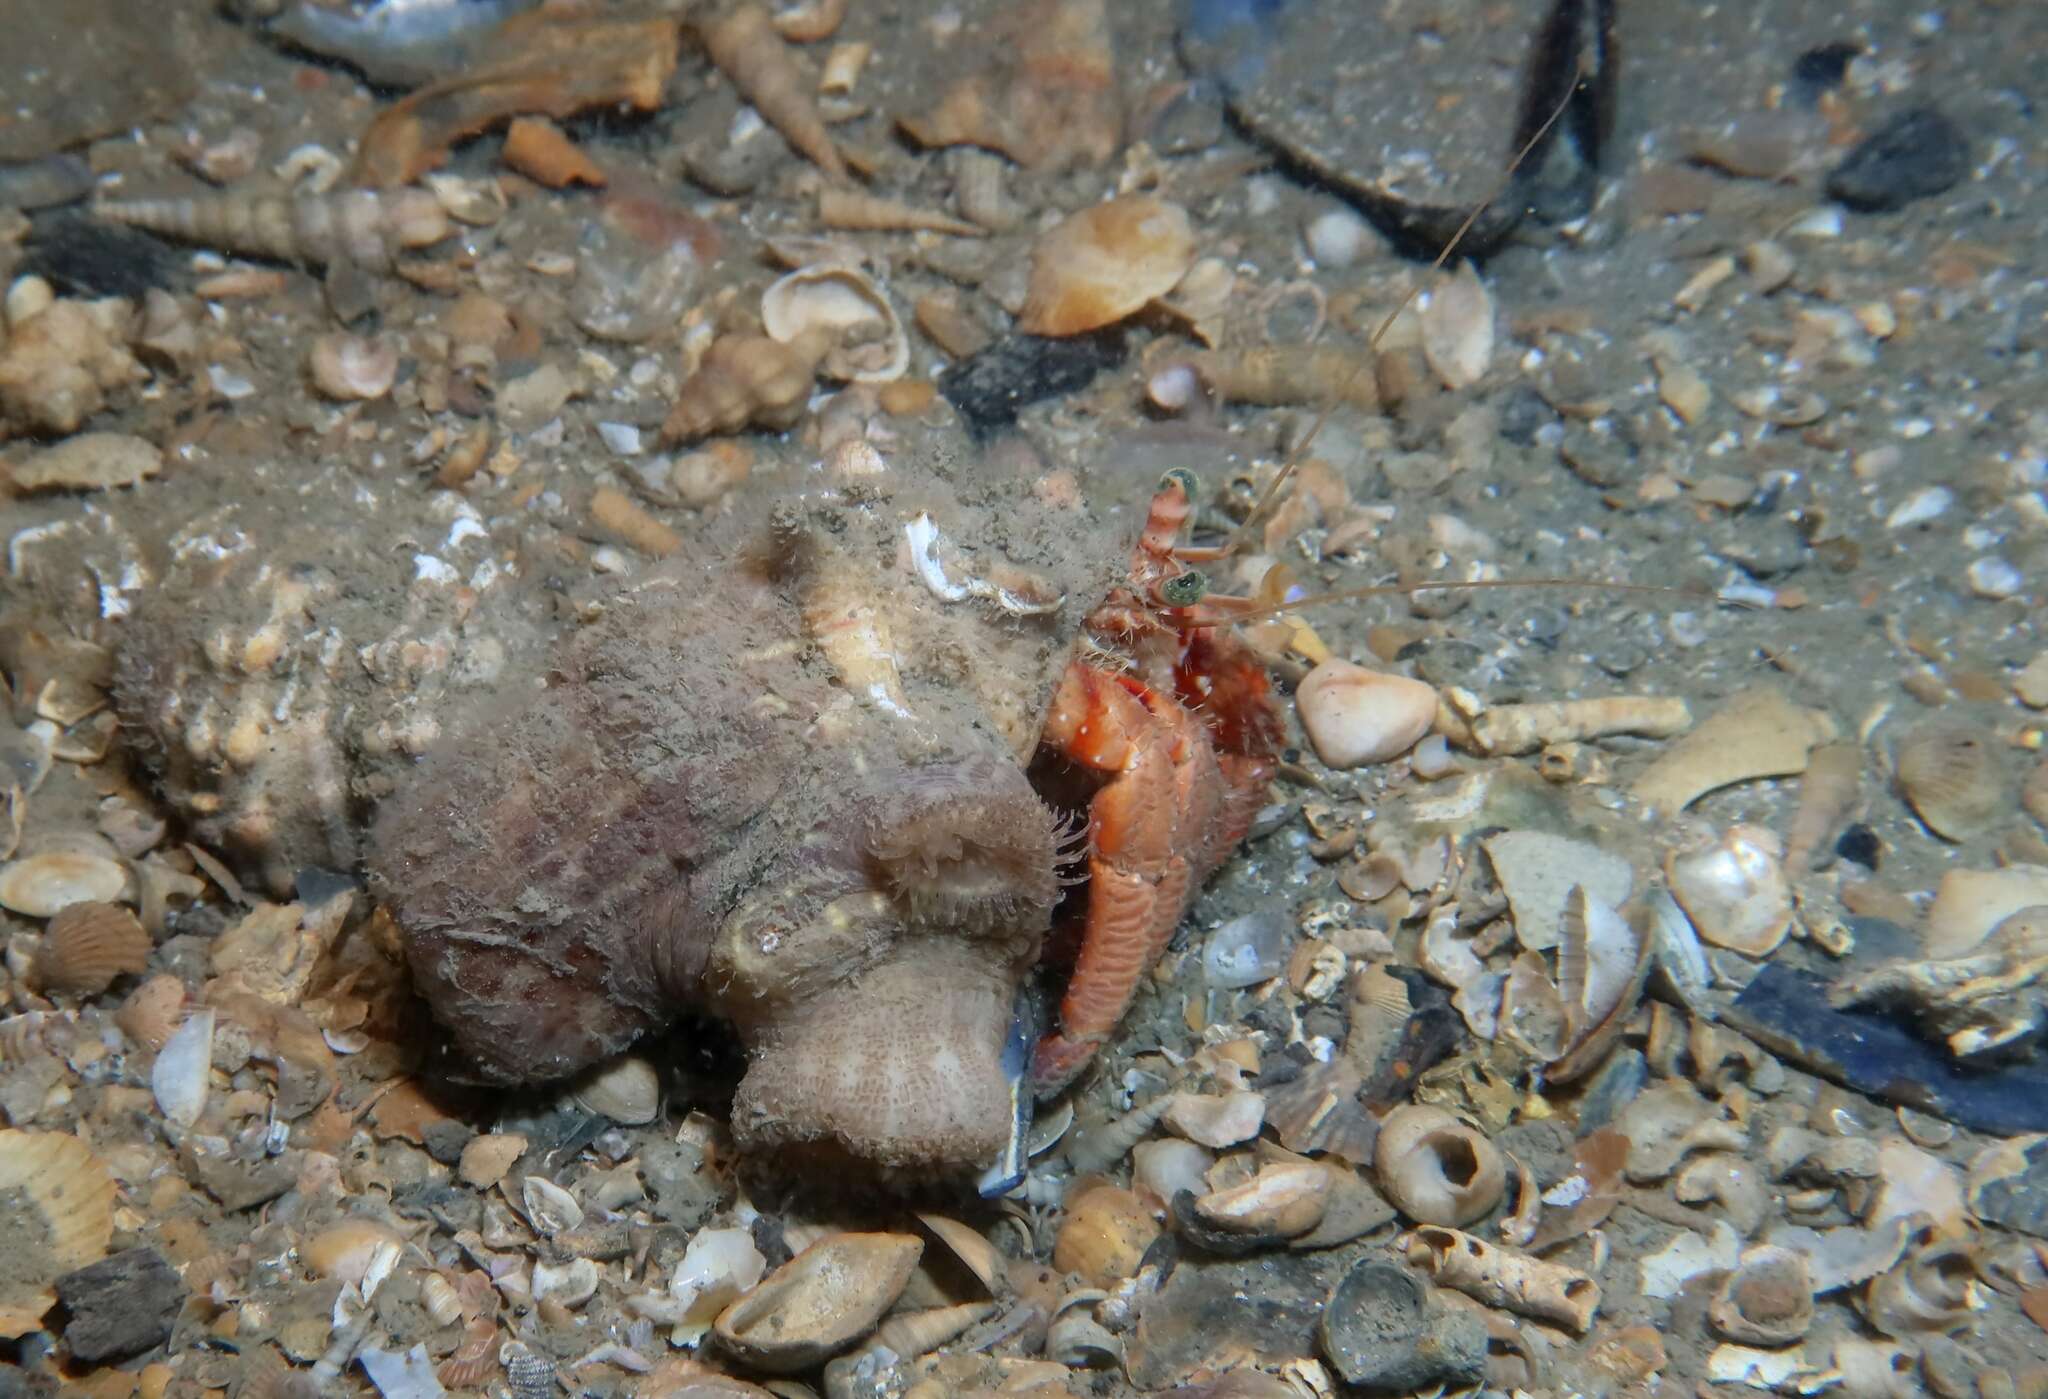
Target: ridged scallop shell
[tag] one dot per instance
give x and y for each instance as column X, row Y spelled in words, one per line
column 1952, row 777
column 56, row 1213
column 1105, row 263
column 87, row 945
column 1766, row 1300
column 820, row 1302
column 1435, row 1169
column 848, row 304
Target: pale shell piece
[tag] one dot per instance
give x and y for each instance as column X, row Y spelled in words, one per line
column 1356, row 716
column 627, row 1090
column 1844, row 1257
column 1602, row 964
column 1668, row 1122
column 349, row 1250
column 180, row 1076
column 570, row 1284
column 1104, row 263
column 1759, row 1369
column 1164, row 1168
column 486, row 1158
column 1968, row 904
column 971, row 1247
column 548, row 1207
column 41, row 884
column 1937, row 1290
column 820, row 1302
column 1217, row 1120
column 843, row 302
column 1953, row 778
column 1758, row 733
column 716, row 1269
column 352, row 368
column 911, row 1334
column 1538, row 870
column 1531, row 1013
column 440, row 1299
column 1105, row 1235
column 87, row 945
column 1735, row 891
column 1501, row 1277
column 1284, row 1199
column 1457, row 328
column 90, row 461
column 1680, row 960
column 1666, row 1272
column 1435, row 1169
column 1912, row 1182
column 1766, row 1300
column 57, row 1211
column 1079, row 1342
column 152, row 1012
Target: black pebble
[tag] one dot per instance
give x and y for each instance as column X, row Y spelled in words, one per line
column 990, row 388
column 1916, row 154
column 120, row 1306
column 81, row 256
column 1821, row 69
column 1523, row 414
column 1859, row 845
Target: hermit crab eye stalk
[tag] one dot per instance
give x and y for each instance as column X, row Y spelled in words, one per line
column 1184, row 589
column 1178, row 476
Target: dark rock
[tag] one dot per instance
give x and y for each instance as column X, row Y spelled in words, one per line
column 16, row 1383
column 120, row 1306
column 1821, row 69
column 445, row 1139
column 991, row 387
column 81, row 256
column 2019, row 1201
column 1859, row 845
column 1610, row 1090
column 240, row 1184
column 1523, row 414
column 1917, row 154
column 1384, row 1330
column 1544, row 1145
column 1205, row 1318
column 44, row 183
column 1874, row 1052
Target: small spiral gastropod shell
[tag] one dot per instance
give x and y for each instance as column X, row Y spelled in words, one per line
column 1435, row 1169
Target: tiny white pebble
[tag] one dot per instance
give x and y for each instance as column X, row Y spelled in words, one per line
column 1261, row 196
column 428, row 569
column 1993, row 577
column 227, row 383
column 1687, row 631
column 623, row 439
column 645, row 371
column 1743, row 592
column 1336, row 237
column 1926, row 504
column 606, row 559
column 1912, row 429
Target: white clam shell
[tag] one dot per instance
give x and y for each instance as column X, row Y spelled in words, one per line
column 1735, row 890
column 1356, row 716
column 849, row 302
column 179, row 1078
column 52, row 879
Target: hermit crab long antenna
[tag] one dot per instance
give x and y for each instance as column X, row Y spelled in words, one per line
column 1266, row 499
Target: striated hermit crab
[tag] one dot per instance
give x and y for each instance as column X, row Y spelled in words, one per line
column 828, row 776
column 788, row 785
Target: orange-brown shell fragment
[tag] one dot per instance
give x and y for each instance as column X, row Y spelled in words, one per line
column 1104, row 263
column 537, row 149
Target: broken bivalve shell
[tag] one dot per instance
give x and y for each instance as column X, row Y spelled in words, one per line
column 1283, row 1200
column 1078, row 1341
column 820, row 1302
column 1952, row 777
column 353, row 1251
column 871, row 346
column 627, row 1090
column 1163, row 1169
column 1105, row 263
column 569, row 1284
column 1356, row 716
column 1766, row 1299
column 1435, row 1169
column 56, row 1206
column 1602, row 963
column 1735, row 891
column 88, row 945
column 1217, row 1119
column 1936, row 1290
column 66, row 871
column 181, row 1076
column 548, row 1207
column 352, row 367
